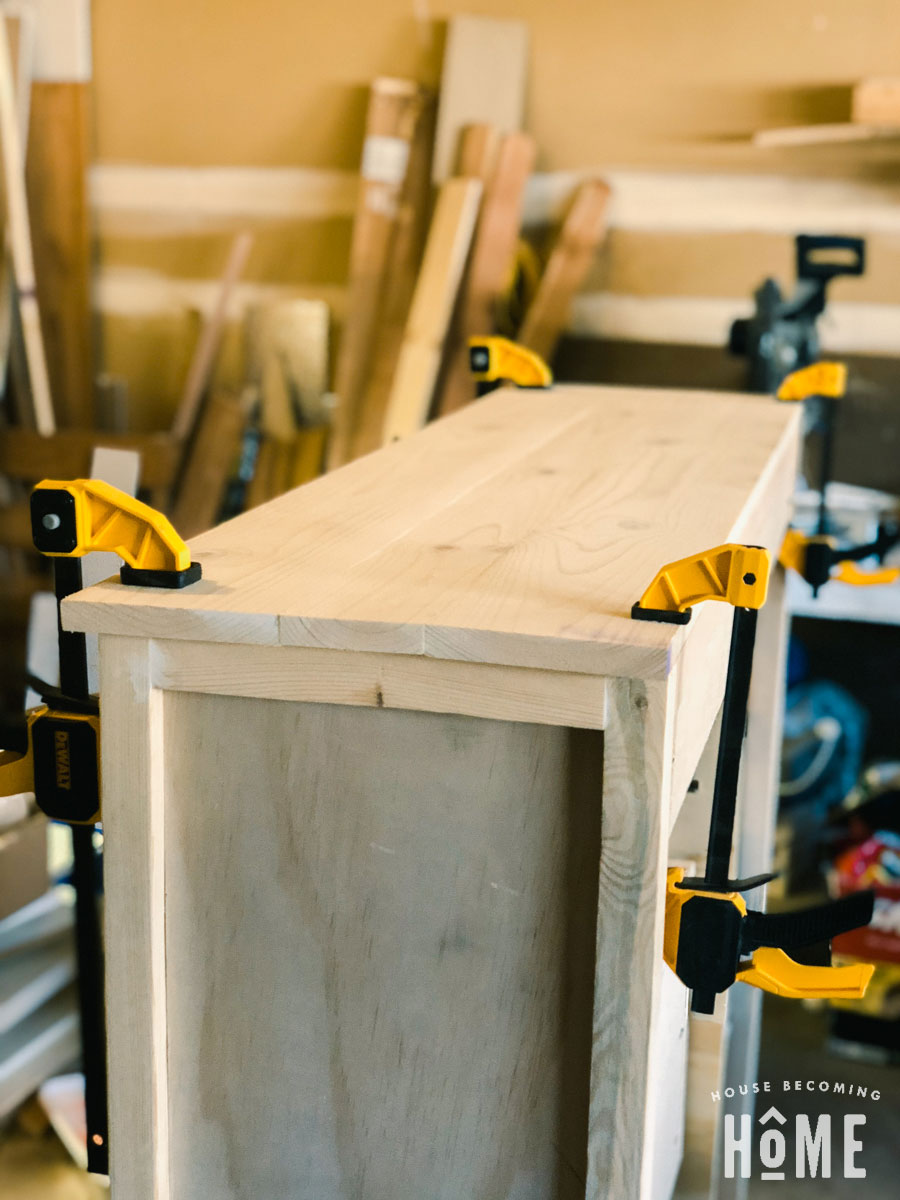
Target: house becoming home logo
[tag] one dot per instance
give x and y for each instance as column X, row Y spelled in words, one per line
column 829, row 1148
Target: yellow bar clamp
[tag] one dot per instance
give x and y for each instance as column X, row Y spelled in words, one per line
column 768, row 967
column 73, row 518
column 61, row 765
column 772, row 970
column 816, row 559
column 738, row 575
column 820, row 379
column 494, row 359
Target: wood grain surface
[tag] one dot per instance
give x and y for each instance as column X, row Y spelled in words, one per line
column 431, row 311
column 519, row 531
column 567, row 267
column 391, row 996
column 640, row 1019
column 57, row 163
column 134, row 871
column 397, row 109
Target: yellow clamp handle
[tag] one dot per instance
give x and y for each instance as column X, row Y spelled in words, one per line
column 770, row 969
column 774, row 971
column 493, row 359
column 820, row 379
column 736, row 574
column 792, row 556
column 60, row 766
column 76, row 517
column 849, row 572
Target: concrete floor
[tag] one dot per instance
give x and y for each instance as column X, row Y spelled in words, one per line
column 793, row 1048
column 37, row 1167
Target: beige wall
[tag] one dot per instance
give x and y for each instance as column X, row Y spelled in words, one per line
column 665, row 85
column 282, row 82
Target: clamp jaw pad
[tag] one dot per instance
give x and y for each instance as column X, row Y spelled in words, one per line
column 737, row 575
column 708, row 935
column 72, row 518
column 820, row 379
column 817, row 559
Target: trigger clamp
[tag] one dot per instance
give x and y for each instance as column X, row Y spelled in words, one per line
column 713, row 940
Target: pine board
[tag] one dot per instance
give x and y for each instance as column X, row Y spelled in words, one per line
column 483, row 80
column 519, row 531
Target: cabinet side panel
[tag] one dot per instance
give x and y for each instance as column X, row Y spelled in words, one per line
column 380, row 931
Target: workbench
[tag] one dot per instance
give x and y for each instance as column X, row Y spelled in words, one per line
column 387, row 803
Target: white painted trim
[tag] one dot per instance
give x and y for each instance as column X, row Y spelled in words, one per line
column 705, row 321
column 680, row 320
column 711, row 203
column 154, row 200
column 62, row 48
column 688, row 320
column 151, row 199
column 134, row 292
column 23, row 12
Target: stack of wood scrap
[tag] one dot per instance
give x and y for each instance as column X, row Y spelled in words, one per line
column 384, row 258
column 437, row 257
column 403, row 354
column 874, row 116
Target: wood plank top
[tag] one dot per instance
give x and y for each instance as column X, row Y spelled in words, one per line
column 518, row 531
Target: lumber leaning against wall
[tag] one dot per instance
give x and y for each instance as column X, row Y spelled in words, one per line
column 286, row 155
column 59, row 153
column 396, row 110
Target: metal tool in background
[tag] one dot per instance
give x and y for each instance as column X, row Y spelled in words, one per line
column 819, row 557
column 61, row 764
column 782, row 335
column 711, row 938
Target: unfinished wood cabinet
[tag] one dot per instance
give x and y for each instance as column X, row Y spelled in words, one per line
column 387, row 805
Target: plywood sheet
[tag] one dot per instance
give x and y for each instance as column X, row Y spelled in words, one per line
column 401, row 963
column 483, row 80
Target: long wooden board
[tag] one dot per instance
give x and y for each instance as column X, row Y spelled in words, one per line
column 493, row 253
column 20, row 244
column 483, row 80
column 21, row 36
column 203, row 361
column 401, row 276
column 570, row 260
column 57, row 163
column 825, row 134
column 396, row 109
column 432, row 308
column 208, row 465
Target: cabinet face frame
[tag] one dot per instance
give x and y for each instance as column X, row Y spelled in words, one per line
column 654, row 732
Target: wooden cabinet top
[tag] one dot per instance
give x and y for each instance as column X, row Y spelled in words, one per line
column 518, row 532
